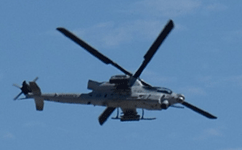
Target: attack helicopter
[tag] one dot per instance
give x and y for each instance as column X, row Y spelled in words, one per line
column 128, row 91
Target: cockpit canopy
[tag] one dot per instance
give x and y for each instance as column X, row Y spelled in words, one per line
column 164, row 90
column 159, row 89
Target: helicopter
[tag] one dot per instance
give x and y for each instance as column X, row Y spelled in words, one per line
column 127, row 91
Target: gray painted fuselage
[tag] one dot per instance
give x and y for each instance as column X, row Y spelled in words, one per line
column 108, row 94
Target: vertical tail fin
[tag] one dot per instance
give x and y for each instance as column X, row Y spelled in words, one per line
column 34, row 88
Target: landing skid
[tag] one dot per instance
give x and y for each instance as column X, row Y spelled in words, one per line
column 131, row 118
column 142, row 117
column 117, row 116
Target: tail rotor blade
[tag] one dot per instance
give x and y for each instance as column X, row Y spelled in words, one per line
column 35, row 79
column 25, row 88
column 18, row 96
column 17, row 86
column 198, row 110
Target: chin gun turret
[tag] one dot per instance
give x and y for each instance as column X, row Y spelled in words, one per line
column 165, row 104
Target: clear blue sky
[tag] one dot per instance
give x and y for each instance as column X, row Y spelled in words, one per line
column 201, row 58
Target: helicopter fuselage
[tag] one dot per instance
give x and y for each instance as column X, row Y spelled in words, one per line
column 116, row 95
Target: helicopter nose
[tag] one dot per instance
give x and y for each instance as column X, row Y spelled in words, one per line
column 180, row 98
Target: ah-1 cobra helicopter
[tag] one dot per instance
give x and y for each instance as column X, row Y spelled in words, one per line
column 127, row 92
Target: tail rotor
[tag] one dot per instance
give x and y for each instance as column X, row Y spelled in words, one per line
column 25, row 88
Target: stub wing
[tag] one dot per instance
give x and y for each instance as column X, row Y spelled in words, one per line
column 129, row 114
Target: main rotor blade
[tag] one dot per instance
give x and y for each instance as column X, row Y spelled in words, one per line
column 92, row 50
column 198, row 110
column 154, row 47
column 104, row 116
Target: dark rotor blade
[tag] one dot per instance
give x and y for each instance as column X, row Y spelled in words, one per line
column 154, row 47
column 104, row 116
column 35, row 79
column 198, row 110
column 92, row 50
column 18, row 96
